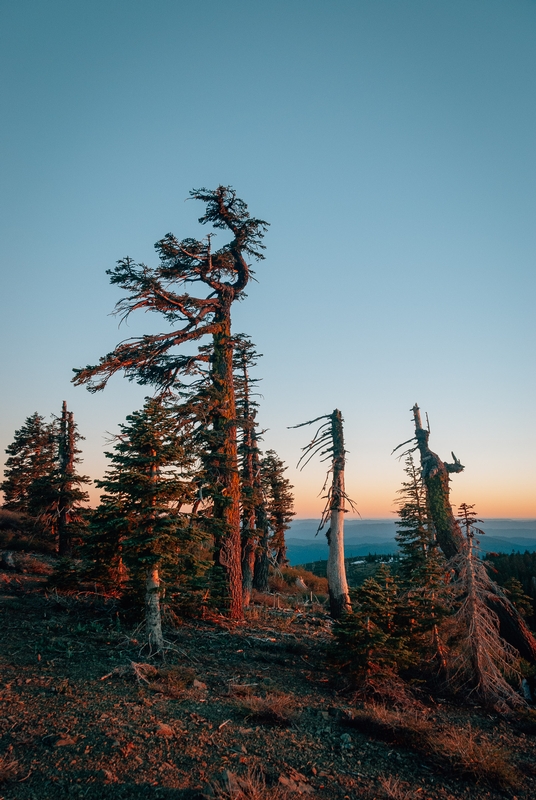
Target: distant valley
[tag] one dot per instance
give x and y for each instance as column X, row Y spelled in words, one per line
column 378, row 536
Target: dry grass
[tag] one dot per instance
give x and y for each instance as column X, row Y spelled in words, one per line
column 275, row 708
column 8, row 769
column 473, row 755
column 395, row 789
column 269, row 600
column 459, row 750
column 251, row 786
column 31, row 564
column 170, row 681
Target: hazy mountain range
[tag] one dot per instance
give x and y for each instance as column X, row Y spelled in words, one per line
column 363, row 536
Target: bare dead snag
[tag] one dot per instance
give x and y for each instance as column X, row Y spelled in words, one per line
column 328, row 441
column 66, row 453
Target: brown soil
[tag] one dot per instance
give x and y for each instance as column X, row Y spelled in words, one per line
column 245, row 711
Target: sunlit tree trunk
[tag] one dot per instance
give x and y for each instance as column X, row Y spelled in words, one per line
column 339, row 597
column 223, row 465
column 153, row 619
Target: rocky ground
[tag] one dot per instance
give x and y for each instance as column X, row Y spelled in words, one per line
column 247, row 711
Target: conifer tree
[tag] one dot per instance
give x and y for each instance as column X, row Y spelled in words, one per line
column 32, row 456
column 370, row 634
column 221, row 276
column 254, row 517
column 279, row 503
column 421, row 567
column 56, row 498
column 140, row 514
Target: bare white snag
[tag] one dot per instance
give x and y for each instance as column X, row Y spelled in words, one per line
column 330, row 436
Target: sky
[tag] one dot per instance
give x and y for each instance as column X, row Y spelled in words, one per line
column 391, row 146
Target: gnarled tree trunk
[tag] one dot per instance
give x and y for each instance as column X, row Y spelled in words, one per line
column 435, row 472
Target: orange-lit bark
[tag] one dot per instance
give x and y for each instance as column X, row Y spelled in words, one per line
column 223, row 464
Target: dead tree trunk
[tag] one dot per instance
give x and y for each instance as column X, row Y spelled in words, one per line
column 435, row 472
column 339, row 597
column 66, row 467
column 329, row 441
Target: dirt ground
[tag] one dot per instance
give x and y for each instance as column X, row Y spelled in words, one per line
column 238, row 711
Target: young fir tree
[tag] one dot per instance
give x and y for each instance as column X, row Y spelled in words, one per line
column 370, row 637
column 328, row 441
column 140, row 511
column 279, row 503
column 56, row 497
column 421, row 567
column 221, row 277
column 32, row 457
column 254, row 516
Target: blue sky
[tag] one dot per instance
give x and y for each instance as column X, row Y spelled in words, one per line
column 390, row 144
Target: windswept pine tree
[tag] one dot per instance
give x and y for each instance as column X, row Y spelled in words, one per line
column 328, row 442
column 139, row 524
column 32, row 456
column 221, row 276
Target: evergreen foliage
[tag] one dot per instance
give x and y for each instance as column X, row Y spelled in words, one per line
column 371, row 634
column 142, row 518
column 56, row 498
column 32, row 457
column 426, row 593
column 279, row 503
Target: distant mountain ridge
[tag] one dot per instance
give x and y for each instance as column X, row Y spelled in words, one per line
column 378, row 536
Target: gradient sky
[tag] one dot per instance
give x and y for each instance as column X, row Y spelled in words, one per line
column 391, row 145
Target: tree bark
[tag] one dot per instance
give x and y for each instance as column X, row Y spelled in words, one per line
column 223, row 463
column 339, row 598
column 435, row 475
column 66, row 464
column 153, row 617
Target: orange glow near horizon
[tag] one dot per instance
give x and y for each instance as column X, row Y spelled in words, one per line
column 373, row 504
